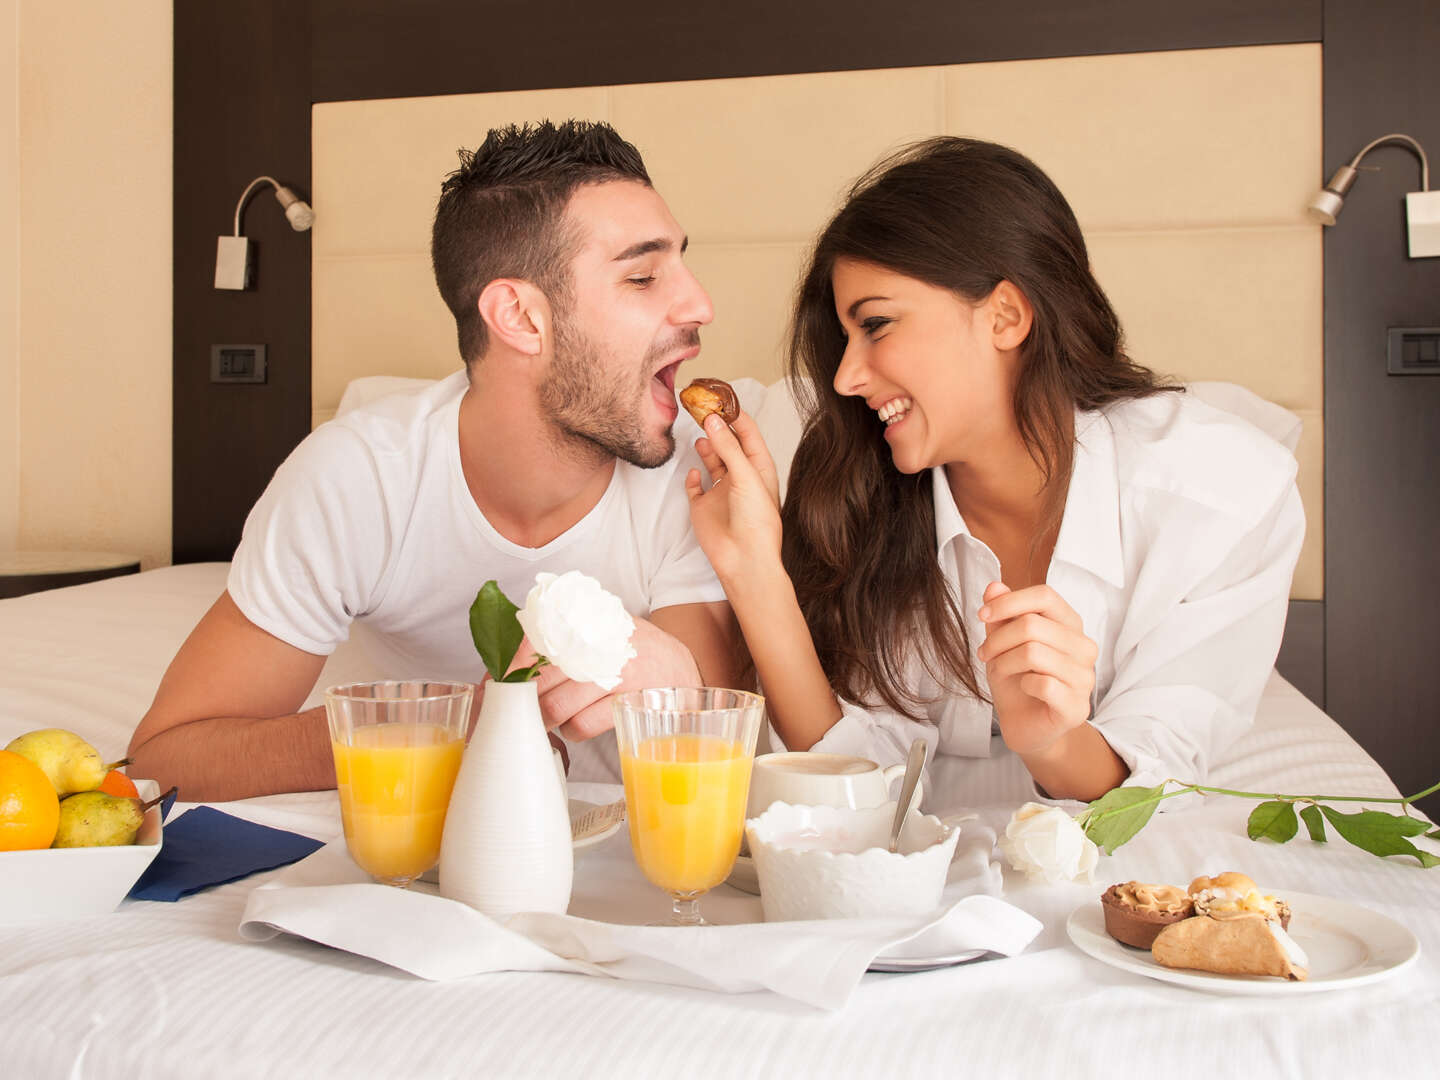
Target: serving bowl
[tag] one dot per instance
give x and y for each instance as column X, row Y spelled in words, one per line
column 70, row 883
column 827, row 862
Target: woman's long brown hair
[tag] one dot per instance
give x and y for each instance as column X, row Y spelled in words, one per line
column 859, row 535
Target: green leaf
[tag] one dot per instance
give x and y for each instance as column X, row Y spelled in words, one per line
column 495, row 629
column 1314, row 823
column 1115, row 817
column 1380, row 833
column 1433, row 834
column 1273, row 820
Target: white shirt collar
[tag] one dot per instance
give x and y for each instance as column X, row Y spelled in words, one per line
column 1090, row 528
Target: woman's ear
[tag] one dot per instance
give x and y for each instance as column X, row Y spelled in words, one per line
column 516, row 313
column 1011, row 315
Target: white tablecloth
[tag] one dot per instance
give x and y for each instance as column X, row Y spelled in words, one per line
column 171, row 990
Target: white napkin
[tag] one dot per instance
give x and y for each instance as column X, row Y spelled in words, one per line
column 328, row 899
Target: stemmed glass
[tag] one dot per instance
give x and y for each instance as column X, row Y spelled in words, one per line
column 685, row 757
column 398, row 746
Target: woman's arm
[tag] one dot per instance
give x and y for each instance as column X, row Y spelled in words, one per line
column 738, row 525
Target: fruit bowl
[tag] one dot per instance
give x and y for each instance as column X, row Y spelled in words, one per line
column 70, row 883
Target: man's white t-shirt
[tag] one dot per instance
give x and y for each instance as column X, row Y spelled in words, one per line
column 369, row 521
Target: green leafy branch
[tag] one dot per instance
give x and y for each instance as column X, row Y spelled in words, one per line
column 1115, row 818
column 496, row 631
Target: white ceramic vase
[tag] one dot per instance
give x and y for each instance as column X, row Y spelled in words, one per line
column 506, row 846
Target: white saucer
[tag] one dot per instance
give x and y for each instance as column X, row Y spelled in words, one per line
column 743, row 876
column 1347, row 946
column 897, row 961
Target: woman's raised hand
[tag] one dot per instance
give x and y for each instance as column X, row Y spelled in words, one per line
column 1040, row 665
column 737, row 521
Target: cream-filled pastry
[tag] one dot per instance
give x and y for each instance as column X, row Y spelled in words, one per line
column 1231, row 895
column 1241, row 944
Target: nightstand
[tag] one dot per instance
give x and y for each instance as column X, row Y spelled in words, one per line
column 24, row 572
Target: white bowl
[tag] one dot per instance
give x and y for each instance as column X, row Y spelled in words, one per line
column 69, row 883
column 828, row 862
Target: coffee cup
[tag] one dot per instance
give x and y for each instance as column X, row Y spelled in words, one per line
column 817, row 779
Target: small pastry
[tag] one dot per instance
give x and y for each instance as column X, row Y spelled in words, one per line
column 1135, row 912
column 1238, row 945
column 705, row 396
column 1228, row 895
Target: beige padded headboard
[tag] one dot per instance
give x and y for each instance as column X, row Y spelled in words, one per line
column 1189, row 172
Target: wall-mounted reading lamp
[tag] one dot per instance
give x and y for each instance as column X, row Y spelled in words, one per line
column 233, row 263
column 1422, row 208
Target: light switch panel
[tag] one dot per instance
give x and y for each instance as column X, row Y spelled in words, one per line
column 233, row 265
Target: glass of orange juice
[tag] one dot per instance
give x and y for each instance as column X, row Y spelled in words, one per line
column 397, row 748
column 685, row 756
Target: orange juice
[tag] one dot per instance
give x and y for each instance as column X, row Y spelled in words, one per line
column 685, row 799
column 395, row 782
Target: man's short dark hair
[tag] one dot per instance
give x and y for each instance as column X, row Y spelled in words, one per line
column 501, row 214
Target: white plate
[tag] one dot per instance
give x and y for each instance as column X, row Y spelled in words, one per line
column 1347, row 945
column 577, row 807
column 580, row 806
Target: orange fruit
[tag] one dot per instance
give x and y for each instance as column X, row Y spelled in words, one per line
column 117, row 783
column 29, row 807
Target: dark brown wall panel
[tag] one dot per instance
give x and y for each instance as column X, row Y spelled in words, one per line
column 242, row 109
column 452, row 46
column 1382, row 432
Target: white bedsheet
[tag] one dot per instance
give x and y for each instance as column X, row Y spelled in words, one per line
column 162, row 990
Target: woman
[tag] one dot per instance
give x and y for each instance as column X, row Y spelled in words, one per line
column 995, row 519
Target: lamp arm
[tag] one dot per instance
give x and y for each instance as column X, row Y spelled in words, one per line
column 1407, row 140
column 245, row 195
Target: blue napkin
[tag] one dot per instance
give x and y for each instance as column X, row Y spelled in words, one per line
column 206, row 847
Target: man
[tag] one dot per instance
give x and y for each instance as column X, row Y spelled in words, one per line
column 553, row 450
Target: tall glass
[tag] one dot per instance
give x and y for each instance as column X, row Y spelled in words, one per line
column 685, row 756
column 397, row 746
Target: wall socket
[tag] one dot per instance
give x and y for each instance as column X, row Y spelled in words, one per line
column 237, row 363
column 1412, row 350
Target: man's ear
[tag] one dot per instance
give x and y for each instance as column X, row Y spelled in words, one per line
column 517, row 313
column 1011, row 315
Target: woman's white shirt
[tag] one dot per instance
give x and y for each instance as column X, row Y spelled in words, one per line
column 1180, row 534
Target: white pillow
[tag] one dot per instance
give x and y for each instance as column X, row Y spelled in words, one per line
column 1278, row 422
column 369, row 388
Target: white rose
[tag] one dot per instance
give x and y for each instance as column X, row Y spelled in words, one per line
column 579, row 627
column 1045, row 842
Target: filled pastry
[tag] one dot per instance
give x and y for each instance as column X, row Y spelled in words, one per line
column 1136, row 912
column 1230, row 894
column 705, row 396
column 1236, row 945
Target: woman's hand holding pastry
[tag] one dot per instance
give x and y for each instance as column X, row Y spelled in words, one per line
column 1040, row 665
column 737, row 521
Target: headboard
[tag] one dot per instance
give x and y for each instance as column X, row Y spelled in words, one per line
column 1188, row 171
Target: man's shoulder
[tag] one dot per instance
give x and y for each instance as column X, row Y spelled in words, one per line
column 398, row 421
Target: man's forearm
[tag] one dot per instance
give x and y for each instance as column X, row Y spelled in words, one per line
column 231, row 758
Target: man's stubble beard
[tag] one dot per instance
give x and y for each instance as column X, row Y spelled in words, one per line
column 600, row 418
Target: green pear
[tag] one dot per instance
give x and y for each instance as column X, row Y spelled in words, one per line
column 95, row 819
column 70, row 762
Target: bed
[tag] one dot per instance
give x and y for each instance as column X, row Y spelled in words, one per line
column 166, row 990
